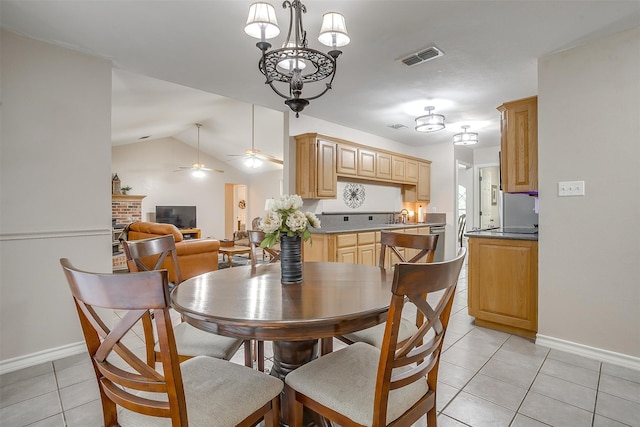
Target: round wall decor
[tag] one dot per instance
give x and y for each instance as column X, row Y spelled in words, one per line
column 353, row 195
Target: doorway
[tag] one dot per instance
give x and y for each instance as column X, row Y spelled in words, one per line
column 489, row 200
column 235, row 209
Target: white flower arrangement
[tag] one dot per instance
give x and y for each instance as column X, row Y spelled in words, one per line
column 284, row 218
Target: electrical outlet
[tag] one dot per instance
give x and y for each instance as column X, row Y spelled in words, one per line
column 570, row 188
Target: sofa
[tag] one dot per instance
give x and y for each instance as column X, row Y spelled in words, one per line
column 195, row 256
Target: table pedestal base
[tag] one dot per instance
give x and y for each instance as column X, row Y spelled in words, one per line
column 287, row 356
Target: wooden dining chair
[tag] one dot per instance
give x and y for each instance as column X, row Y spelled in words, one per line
column 152, row 254
column 362, row 385
column 201, row 391
column 400, row 246
column 255, row 239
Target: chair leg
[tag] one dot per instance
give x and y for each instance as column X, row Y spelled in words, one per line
column 432, row 417
column 248, row 356
column 295, row 408
column 260, row 352
column 326, row 346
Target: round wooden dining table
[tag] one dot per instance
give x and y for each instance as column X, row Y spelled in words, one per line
column 251, row 303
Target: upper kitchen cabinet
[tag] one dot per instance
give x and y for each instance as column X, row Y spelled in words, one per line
column 383, row 166
column 519, row 145
column 347, row 160
column 424, row 181
column 315, row 167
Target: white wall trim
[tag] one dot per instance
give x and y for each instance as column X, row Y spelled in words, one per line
column 58, row 234
column 49, row 355
column 590, row 352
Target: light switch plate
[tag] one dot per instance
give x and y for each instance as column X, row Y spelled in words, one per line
column 570, row 188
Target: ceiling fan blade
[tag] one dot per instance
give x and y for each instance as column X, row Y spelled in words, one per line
column 269, row 158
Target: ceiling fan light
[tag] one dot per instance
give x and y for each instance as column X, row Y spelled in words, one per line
column 261, row 22
column 253, row 162
column 333, row 31
column 198, row 173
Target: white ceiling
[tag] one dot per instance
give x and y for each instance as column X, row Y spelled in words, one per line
column 491, row 52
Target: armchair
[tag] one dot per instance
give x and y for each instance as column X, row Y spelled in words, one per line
column 195, row 256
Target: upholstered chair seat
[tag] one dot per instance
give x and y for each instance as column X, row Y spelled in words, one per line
column 345, row 381
column 218, row 394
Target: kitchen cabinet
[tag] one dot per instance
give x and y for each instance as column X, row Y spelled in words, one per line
column 519, row 145
column 315, row 167
column 503, row 284
column 320, row 160
column 366, row 163
column 424, row 182
column 411, row 171
column 383, row 166
column 347, row 160
column 346, row 248
column 398, row 168
column 367, row 248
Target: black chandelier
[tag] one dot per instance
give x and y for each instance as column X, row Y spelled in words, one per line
column 295, row 64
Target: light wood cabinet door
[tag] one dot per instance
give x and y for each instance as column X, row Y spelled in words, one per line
column 305, row 167
column 347, row 160
column 519, row 145
column 383, row 166
column 411, row 171
column 315, row 168
column 503, row 284
column 366, row 163
column 327, row 181
column 398, row 168
column 424, row 182
column 367, row 255
column 348, row 255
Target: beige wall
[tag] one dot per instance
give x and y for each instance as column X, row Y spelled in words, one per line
column 55, row 186
column 589, row 128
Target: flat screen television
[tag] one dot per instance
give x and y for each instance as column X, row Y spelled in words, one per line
column 180, row 216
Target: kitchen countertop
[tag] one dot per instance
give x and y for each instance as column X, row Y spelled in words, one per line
column 498, row 233
column 369, row 227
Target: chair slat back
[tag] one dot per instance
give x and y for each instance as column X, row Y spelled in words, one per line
column 150, row 254
column 135, row 293
column 424, row 243
column 420, row 354
column 255, row 239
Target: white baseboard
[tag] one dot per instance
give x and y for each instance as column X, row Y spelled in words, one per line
column 590, row 352
column 49, row 355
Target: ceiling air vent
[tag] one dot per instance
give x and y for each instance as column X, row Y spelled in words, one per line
column 422, row 56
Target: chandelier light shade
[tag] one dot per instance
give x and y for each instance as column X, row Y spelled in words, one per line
column 262, row 22
column 288, row 69
column 430, row 122
column 465, row 138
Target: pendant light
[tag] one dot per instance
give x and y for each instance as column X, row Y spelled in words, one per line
column 465, row 138
column 430, row 122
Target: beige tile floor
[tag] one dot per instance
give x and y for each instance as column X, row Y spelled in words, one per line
column 486, row 378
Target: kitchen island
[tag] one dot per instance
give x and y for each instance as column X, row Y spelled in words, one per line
column 503, row 280
column 357, row 243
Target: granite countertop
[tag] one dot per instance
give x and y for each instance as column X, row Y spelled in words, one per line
column 499, row 233
column 352, row 228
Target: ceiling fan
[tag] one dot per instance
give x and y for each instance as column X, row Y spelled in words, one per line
column 253, row 157
column 198, row 169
